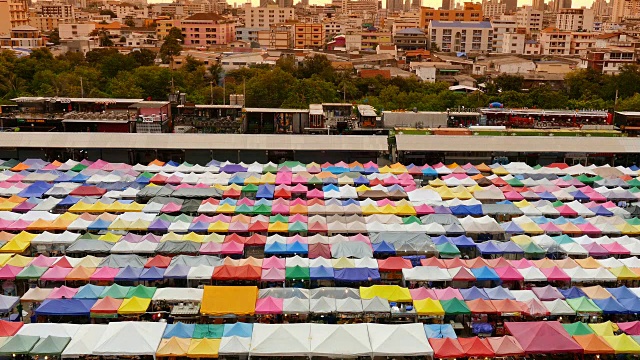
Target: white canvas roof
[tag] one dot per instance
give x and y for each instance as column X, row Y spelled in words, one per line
column 559, row 307
column 426, row 273
column 340, row 341
column 324, row 305
column 130, row 338
column 178, row 294
column 235, row 345
column 85, row 341
column 280, row 340
column 399, row 340
column 49, row 329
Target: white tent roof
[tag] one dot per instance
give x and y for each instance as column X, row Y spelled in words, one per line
column 426, row 273
column 49, row 329
column 130, row 338
column 349, row 305
column 340, row 341
column 399, row 340
column 178, row 294
column 280, row 340
column 532, row 274
column 234, row 345
column 201, row 272
column 559, row 307
column 85, row 341
column 324, row 305
column 295, row 305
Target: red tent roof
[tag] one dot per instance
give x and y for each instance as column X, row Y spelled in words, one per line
column 433, row 261
column 543, row 337
column 9, row 328
column 86, row 190
column 394, row 263
column 481, row 306
column 475, row 346
column 505, row 346
column 447, row 348
column 158, row 261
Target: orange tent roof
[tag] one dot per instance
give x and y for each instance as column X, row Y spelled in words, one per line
column 481, row 306
column 593, row 344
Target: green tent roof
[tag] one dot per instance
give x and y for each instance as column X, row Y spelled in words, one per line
column 31, row 272
column 515, row 182
column 291, row 164
column 454, row 307
column 314, row 180
column 269, row 169
column 19, row 344
column 244, row 209
column 634, row 182
column 411, row 219
column 140, row 291
column 448, row 248
column 51, row 345
column 9, row 164
column 577, row 328
column 183, row 217
column 298, row 226
column 262, row 209
column 633, row 221
column 634, row 189
column 583, row 305
column 557, row 203
column 167, row 217
column 532, row 248
column 250, row 188
column 89, row 236
column 146, row 174
column 115, row 291
column 562, row 239
column 208, row 331
column 297, row 272
column 78, row 167
column 279, row 217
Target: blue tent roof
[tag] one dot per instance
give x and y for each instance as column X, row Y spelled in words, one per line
column 321, row 273
column 383, row 248
column 488, row 248
column 143, row 180
column 512, row 228
column 65, row 176
column 336, row 170
column 7, row 303
column 463, row 210
column 579, row 195
column 473, row 293
column 228, row 201
column 330, row 187
column 276, row 248
column 66, row 307
column 572, row 292
column 89, row 291
column 439, row 240
column 199, row 226
column 69, row 201
column 350, row 201
column 631, row 304
column 297, row 247
column 610, row 306
column 98, row 225
column 361, row 180
column 441, row 209
column 509, row 247
column 80, row 178
column 440, row 331
column 159, row 225
column 462, row 241
column 622, row 292
column 37, row 189
column 129, row 273
column 152, row 274
column 547, row 196
column 356, row 274
column 177, row 271
column 179, row 330
column 238, row 329
column 601, row 210
column 634, row 167
column 499, row 293
column 429, row 172
column 265, row 191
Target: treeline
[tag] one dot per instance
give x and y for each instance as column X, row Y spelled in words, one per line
column 108, row 73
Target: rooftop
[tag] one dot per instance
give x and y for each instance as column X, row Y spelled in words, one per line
column 461, row 24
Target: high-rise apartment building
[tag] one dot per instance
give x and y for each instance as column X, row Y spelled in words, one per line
column 501, row 27
column 575, row 19
column 538, row 5
column 510, row 5
column 561, row 4
column 529, row 18
column 623, row 9
column 264, row 17
column 448, row 5
column 394, row 6
column 12, row 14
column 470, row 12
column 461, row 36
column 308, row 36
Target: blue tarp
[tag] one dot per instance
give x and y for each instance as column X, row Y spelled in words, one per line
column 383, row 248
column 547, row 196
column 631, row 304
column 356, row 274
column 238, row 329
column 572, row 293
column 440, row 331
column 66, row 307
column 463, row 210
column 462, row 241
column 499, row 293
column 275, row 248
column 473, row 293
column 37, row 189
column 179, row 330
column 321, row 273
column 89, row 291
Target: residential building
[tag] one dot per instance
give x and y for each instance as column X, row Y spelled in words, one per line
column 207, row 29
column 371, row 39
column 561, row 4
column 394, row 6
column 529, row 18
column 248, row 34
column 71, row 31
column 493, row 8
column 538, row 5
column 461, row 36
column 285, row 3
column 55, row 10
column 504, row 65
column 13, row 13
column 600, row 8
column 127, row 10
column 236, row 61
column 435, row 71
column 506, row 24
column 308, row 36
column 555, row 66
column 470, row 12
column 410, row 39
column 353, row 41
column 264, row 17
column 46, row 23
column 555, row 42
column 532, row 47
column 581, row 42
column 164, row 26
column 448, row 5
column 387, row 49
column 575, row 19
column 510, row 5
column 622, row 9
column 608, row 60
column 514, row 42
column 23, row 36
column 362, row 7
column 277, row 37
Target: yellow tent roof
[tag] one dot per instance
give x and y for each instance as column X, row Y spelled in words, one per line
column 7, row 205
column 268, row 178
column 474, row 188
column 531, row 228
column 278, row 226
column 362, row 188
column 119, row 224
column 4, row 258
column 428, row 307
column 204, row 348
column 219, row 226
column 500, row 171
column 369, row 209
column 40, row 224
column 134, row 305
column 89, row 261
column 437, row 182
column 405, row 209
column 226, row 209
column 19, row 261
column 521, row 203
column 213, row 237
column 172, row 236
column 624, row 273
column 387, row 209
column 521, row 239
column 15, row 246
column 80, row 206
column 252, row 180
column 388, row 292
column 110, row 237
column 384, row 170
column 134, row 207
column 343, row 263
column 117, row 206
column 139, row 225
column 173, row 347
column 224, row 300
column 627, row 229
column 193, row 237
column 588, row 263
column 604, row 329
column 461, row 193
column 622, row 344
column 98, row 206
column 445, row 192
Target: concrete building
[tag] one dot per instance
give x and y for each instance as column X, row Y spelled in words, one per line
column 470, row 12
column 581, row 42
column 529, row 18
column 362, row 7
column 448, row 5
column 608, row 60
column 127, row 10
column 460, row 36
column 277, row 37
column 493, row 8
column 371, row 39
column 622, row 9
column 24, row 36
column 561, row 4
column 510, row 5
column 353, row 41
column 555, row 42
column 248, row 34
column 263, row 17
column 575, row 19
column 55, row 10
column 410, row 39
column 506, row 24
column 538, row 5
column 47, row 24
column 514, row 42
column 308, row 36
column 207, row 29
column 70, row 31
column 13, row 13
column 532, row 47
column 504, row 65
column 394, row 6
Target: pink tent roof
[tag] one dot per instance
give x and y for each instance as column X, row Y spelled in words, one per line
column 566, row 210
column 630, row 328
column 555, row 274
column 232, row 248
column 513, row 196
column 221, row 217
column 43, row 261
column 422, row 293
column 616, row 248
column 283, row 177
column 104, row 274
column 245, row 201
column 315, row 193
column 62, row 292
column 535, row 308
column 238, row 226
column 211, row 248
column 298, row 201
column 171, row 207
column 594, row 195
column 543, row 337
column 550, row 228
column 521, row 263
column 385, row 201
column 423, row 209
column 18, row 225
column 269, row 305
column 297, row 238
column 299, row 188
column 9, row 272
column 280, row 209
column 298, row 217
column 508, row 274
column 448, row 294
column 589, row 229
column 56, row 273
column 273, row 274
column 273, row 262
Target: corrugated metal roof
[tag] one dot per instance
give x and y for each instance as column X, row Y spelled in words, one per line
column 193, row 141
column 517, row 143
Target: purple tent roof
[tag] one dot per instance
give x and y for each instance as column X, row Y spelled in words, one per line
column 356, row 274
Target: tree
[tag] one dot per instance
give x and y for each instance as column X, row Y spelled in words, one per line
column 124, row 86
column 269, row 89
column 317, row 65
column 310, row 91
column 54, row 37
column 506, row 82
column 108, row 12
column 129, row 22
column 191, row 64
column 629, row 104
column 172, row 45
column 143, row 57
column 216, row 71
